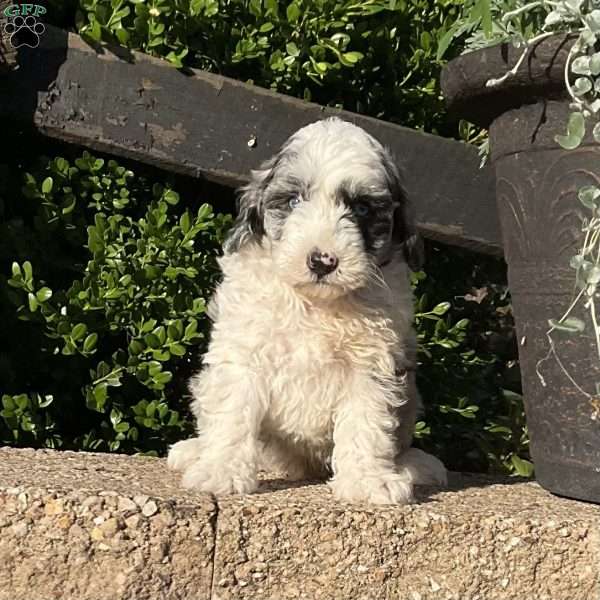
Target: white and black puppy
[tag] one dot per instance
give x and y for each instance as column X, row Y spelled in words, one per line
column 311, row 365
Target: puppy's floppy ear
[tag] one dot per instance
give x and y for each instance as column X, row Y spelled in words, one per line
column 249, row 223
column 405, row 232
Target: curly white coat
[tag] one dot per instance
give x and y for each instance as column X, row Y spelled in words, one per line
column 311, row 375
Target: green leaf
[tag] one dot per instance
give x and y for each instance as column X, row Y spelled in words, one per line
column 184, row 222
column 593, row 276
column 152, row 340
column 28, row 270
column 174, row 331
column 581, row 65
column 320, row 67
column 486, row 17
column 353, row 57
column 8, row 402
column 579, row 262
column 162, row 355
column 593, row 21
column 163, row 378
column 78, row 331
column 596, row 132
column 148, row 325
column 96, row 397
column 196, row 7
column 523, row 467
column 595, row 64
column 570, row 325
column 177, row 349
column 160, row 333
column 293, row 12
column 68, row 206
column 191, row 329
column 171, row 197
column 22, row 401
column 122, row 35
column 43, row 295
column 90, row 342
column 33, row 303
column 150, row 408
column 292, row 49
column 135, row 347
column 582, row 86
column 575, row 132
column 47, row 185
column 45, row 401
column 442, row 308
column 588, row 195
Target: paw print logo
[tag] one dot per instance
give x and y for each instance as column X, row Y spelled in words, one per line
column 24, row 31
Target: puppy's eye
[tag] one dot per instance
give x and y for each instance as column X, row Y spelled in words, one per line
column 361, row 209
column 294, row 202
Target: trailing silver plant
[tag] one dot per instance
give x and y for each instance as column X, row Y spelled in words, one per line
column 525, row 25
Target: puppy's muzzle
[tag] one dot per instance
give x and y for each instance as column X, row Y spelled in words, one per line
column 322, row 263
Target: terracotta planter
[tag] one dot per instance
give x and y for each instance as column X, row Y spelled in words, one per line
column 540, row 214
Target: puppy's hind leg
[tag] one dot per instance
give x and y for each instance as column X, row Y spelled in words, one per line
column 421, row 468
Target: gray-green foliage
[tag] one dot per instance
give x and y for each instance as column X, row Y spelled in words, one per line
column 525, row 24
column 484, row 23
column 377, row 57
column 109, row 281
column 586, row 264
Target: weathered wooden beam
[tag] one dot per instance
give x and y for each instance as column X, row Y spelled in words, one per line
column 200, row 124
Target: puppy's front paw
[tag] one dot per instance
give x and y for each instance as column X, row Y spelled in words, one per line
column 422, row 469
column 380, row 488
column 184, row 453
column 218, row 479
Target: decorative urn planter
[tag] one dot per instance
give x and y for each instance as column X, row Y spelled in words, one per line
column 537, row 184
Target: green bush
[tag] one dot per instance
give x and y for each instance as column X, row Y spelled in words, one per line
column 103, row 306
column 468, row 373
column 377, row 57
column 104, row 279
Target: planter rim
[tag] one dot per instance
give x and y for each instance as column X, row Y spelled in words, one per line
column 540, row 76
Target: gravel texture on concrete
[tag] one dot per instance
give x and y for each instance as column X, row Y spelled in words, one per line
column 83, row 526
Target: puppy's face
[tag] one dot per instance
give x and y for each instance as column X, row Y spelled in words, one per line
column 331, row 210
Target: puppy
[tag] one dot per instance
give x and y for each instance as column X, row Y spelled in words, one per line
column 311, row 365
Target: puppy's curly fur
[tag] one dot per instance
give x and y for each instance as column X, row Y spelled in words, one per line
column 311, row 365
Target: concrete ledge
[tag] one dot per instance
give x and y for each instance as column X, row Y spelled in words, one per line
column 94, row 526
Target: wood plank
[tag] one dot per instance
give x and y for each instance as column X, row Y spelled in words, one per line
column 200, row 124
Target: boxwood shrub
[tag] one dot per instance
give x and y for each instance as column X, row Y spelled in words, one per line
column 103, row 289
column 377, row 57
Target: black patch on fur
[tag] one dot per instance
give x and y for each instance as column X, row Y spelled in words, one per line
column 376, row 223
column 249, row 224
column 405, row 235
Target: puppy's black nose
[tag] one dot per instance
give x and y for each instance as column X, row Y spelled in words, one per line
column 322, row 263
